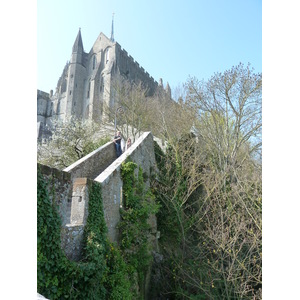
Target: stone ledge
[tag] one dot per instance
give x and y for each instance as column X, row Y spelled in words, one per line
column 115, row 166
column 83, row 159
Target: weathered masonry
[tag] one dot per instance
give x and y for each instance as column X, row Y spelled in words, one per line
column 101, row 165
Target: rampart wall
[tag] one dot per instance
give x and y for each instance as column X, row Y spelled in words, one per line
column 94, row 163
column 61, row 183
column 71, row 198
column 142, row 153
column 70, row 189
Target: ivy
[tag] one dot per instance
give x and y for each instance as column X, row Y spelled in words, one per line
column 51, row 261
column 139, row 204
column 117, row 280
column 105, row 271
column 59, row 278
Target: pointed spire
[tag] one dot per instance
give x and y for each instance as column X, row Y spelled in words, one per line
column 168, row 89
column 78, row 46
column 112, row 29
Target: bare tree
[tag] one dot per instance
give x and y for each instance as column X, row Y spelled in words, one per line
column 229, row 109
column 70, row 141
column 133, row 117
column 210, row 188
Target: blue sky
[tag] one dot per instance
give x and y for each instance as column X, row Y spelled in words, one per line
column 169, row 39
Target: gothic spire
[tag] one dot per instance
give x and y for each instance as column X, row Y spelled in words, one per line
column 112, row 29
column 78, row 46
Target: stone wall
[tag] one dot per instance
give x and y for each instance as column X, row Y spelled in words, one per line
column 71, row 198
column 94, row 163
column 73, row 232
column 60, row 188
column 142, row 153
column 70, row 189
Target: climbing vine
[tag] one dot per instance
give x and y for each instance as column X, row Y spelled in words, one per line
column 105, row 271
column 51, row 261
column 93, row 277
column 139, row 205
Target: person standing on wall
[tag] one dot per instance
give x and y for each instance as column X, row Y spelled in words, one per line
column 117, row 141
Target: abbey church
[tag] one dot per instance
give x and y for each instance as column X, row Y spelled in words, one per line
column 84, row 89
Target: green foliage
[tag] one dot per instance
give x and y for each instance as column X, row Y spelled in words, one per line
column 94, row 262
column 139, row 205
column 117, row 282
column 169, row 191
column 211, row 237
column 59, row 278
column 105, row 271
column 51, row 261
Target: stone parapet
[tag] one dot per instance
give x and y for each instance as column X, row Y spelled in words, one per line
column 93, row 164
column 142, row 153
column 70, row 189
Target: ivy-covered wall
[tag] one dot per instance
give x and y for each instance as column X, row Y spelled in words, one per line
column 78, row 258
column 60, row 190
column 71, row 199
column 142, row 153
column 105, row 270
column 59, row 277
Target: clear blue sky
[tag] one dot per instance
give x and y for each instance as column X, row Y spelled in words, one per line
column 171, row 39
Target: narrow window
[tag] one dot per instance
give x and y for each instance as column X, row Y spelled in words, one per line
column 51, row 109
column 88, row 92
column 94, row 62
column 101, row 84
column 58, row 107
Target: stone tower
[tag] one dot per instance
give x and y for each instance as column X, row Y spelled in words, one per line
column 84, row 89
column 75, row 85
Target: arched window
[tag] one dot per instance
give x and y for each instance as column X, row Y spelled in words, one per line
column 94, row 62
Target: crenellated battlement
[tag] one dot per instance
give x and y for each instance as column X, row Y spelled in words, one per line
column 126, row 60
column 41, row 94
